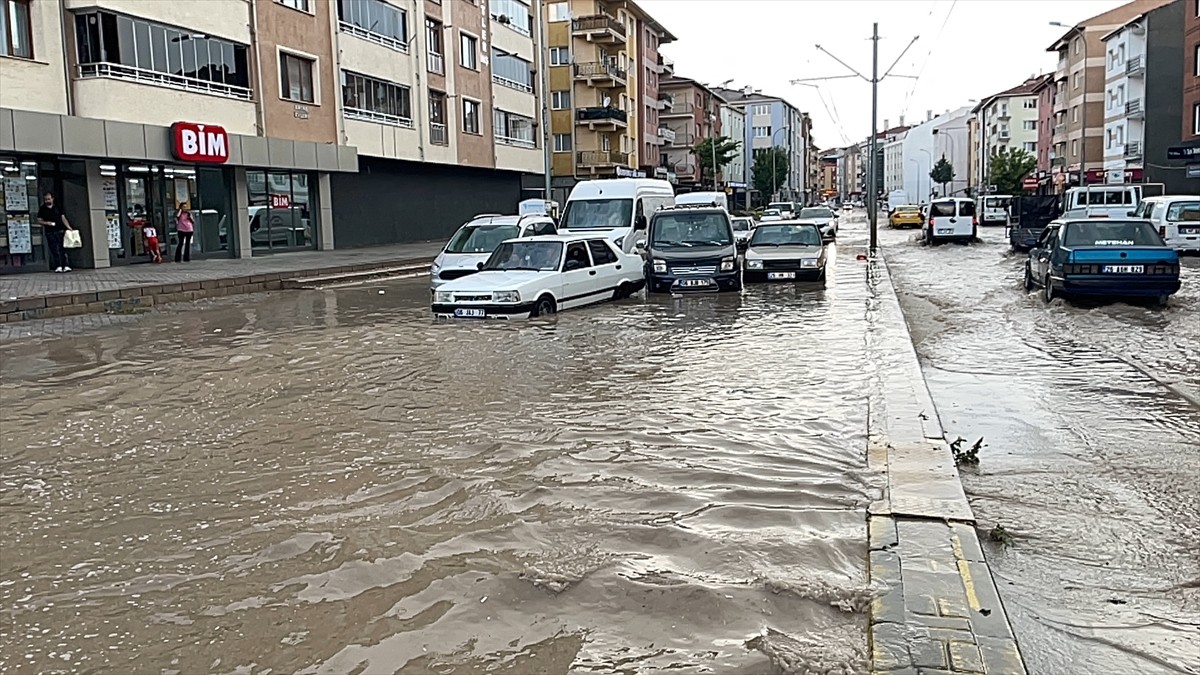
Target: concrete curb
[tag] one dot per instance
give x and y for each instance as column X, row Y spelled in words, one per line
column 141, row 297
column 940, row 612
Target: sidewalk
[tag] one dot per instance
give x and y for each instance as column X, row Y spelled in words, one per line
column 118, row 289
column 940, row 611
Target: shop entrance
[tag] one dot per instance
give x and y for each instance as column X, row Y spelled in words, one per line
column 150, row 196
column 282, row 211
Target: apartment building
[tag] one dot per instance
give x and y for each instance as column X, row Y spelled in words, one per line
column 279, row 123
column 1190, row 134
column 1142, row 90
column 849, row 173
column 693, row 116
column 733, row 126
column 1079, row 112
column 1046, row 92
column 894, row 170
column 1008, row 120
column 654, row 68
column 828, row 179
column 772, row 122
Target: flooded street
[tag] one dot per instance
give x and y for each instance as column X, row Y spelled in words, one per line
column 1091, row 415
column 329, row 482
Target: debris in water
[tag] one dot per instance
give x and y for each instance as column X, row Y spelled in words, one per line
column 813, row 654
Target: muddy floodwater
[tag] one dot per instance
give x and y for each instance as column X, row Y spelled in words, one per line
column 1091, row 416
column 329, row 482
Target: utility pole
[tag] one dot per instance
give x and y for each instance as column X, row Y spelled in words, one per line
column 545, row 98
column 875, row 79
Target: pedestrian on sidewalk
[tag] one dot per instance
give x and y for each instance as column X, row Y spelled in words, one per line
column 55, row 225
column 185, row 229
column 151, row 236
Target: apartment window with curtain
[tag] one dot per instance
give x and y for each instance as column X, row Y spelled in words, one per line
column 296, row 78
column 471, row 116
column 562, row 142
column 437, row 118
column 302, row 5
column 560, row 100
column 512, row 71
column 16, row 29
column 560, row 56
column 468, row 51
column 512, row 13
column 374, row 100
column 375, row 21
column 434, row 46
column 512, row 129
column 558, row 11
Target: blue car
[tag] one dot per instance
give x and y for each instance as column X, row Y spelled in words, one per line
column 1104, row 258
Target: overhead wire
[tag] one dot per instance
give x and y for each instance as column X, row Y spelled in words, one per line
column 929, row 54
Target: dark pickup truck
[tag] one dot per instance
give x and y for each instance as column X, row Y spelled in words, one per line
column 1030, row 215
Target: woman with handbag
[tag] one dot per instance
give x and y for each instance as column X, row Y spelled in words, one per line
column 185, row 229
column 55, row 225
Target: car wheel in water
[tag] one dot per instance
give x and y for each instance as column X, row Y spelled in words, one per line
column 1047, row 289
column 623, row 291
column 544, row 307
column 1161, row 301
column 1028, row 278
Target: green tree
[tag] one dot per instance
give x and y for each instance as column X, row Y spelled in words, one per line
column 726, row 151
column 769, row 176
column 942, row 173
column 1007, row 167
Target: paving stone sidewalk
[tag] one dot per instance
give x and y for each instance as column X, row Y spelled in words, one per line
column 941, row 612
column 118, row 289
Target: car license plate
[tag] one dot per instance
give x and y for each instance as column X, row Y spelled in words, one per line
column 470, row 313
column 945, row 230
column 1189, row 230
column 1124, row 269
column 781, row 275
column 693, row 283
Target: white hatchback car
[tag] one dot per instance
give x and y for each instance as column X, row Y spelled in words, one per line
column 542, row 275
column 1176, row 217
column 474, row 242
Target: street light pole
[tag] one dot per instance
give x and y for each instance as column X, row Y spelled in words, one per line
column 929, row 161
column 775, row 174
column 1082, row 113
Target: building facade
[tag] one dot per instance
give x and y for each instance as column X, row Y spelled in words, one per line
column 654, row 68
column 733, row 126
column 1046, row 157
column 1188, row 148
column 894, row 169
column 693, row 116
column 1010, row 120
column 772, row 122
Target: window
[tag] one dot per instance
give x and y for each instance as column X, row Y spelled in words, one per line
column 1196, row 58
column 1075, row 114
column 577, row 257
column 512, row 129
column 512, row 13
column 601, row 253
column 433, row 45
column 1196, row 118
column 376, row 100
column 109, row 45
column 16, row 30
column 296, row 78
column 762, row 132
column 1078, row 43
column 560, row 100
column 471, row 116
column 468, row 51
column 1029, row 125
column 560, row 56
column 437, row 118
column 376, row 21
column 512, row 71
column 1030, row 146
column 1078, row 80
column 301, row 5
column 562, row 142
column 559, row 11
column 761, row 109
column 1030, row 104
column 1074, row 148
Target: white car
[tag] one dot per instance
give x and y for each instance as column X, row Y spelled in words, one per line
column 1176, row 217
column 474, row 242
column 823, row 217
column 542, row 275
column 743, row 229
column 951, row 219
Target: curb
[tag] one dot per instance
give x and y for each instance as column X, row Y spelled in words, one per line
column 135, row 298
column 940, row 611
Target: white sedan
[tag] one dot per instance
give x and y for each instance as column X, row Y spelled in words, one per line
column 542, row 275
column 474, row 242
column 821, row 216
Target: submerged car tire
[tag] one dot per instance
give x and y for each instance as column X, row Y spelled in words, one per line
column 623, row 291
column 1161, row 301
column 1048, row 290
column 545, row 306
column 1028, row 278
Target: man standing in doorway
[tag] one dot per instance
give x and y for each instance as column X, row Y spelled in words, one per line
column 55, row 224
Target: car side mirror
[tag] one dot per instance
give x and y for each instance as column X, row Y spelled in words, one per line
column 639, row 223
column 479, row 266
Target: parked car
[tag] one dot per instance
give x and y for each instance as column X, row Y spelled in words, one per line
column 994, row 209
column 785, row 209
column 951, row 219
column 1103, row 257
column 907, row 215
column 769, row 215
column 743, row 228
column 691, row 248
column 475, row 241
column 539, row 276
column 824, row 217
column 785, row 251
column 1177, row 219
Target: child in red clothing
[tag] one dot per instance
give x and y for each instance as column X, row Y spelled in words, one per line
column 151, row 235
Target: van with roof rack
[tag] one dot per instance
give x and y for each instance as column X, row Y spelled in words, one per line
column 478, row 238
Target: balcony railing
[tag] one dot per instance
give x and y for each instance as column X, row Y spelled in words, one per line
column 1135, row 66
column 119, row 71
column 598, row 23
column 601, row 157
column 684, row 140
column 512, row 84
column 437, row 134
column 680, row 109
column 668, row 135
column 599, row 69
column 1134, row 108
column 601, row 113
column 1060, row 129
column 1133, row 150
column 437, row 64
column 381, row 118
column 1058, row 161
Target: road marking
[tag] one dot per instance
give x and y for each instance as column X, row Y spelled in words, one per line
column 964, row 571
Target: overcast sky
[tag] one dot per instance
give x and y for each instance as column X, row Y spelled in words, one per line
column 968, row 49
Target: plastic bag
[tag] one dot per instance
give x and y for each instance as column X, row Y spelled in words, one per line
column 71, row 239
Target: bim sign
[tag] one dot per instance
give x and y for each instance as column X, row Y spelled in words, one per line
column 205, row 143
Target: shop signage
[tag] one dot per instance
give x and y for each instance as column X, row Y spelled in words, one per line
column 300, row 112
column 1133, row 175
column 1193, row 171
column 206, row 143
column 1030, row 183
column 1189, row 152
column 281, row 202
column 626, row 172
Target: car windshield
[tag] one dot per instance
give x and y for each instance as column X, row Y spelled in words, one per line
column 686, row 230
column 526, row 255
column 480, row 238
column 1110, row 233
column 780, row 206
column 741, row 225
column 786, row 235
column 996, row 202
column 816, row 212
column 585, row 214
column 1184, row 211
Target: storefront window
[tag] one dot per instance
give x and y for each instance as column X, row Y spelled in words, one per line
column 281, row 211
column 21, row 246
column 150, row 197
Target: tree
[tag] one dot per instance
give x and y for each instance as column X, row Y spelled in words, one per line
column 1008, row 167
column 942, row 173
column 768, row 177
column 726, row 151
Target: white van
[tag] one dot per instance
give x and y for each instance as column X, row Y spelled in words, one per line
column 1102, row 201
column 994, row 209
column 951, row 219
column 1177, row 219
column 703, row 198
column 787, row 210
column 618, row 207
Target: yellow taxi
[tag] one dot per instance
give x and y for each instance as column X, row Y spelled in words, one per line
column 906, row 215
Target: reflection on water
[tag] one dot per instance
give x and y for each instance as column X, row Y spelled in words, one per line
column 1092, row 453
column 328, row 481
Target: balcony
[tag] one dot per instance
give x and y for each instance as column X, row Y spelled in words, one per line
column 436, row 64
column 1004, row 135
column 599, row 28
column 684, row 141
column 437, row 134
column 679, row 110
column 598, row 160
column 1135, row 66
column 668, row 135
column 665, row 66
column 601, row 74
column 602, row 118
column 1133, row 151
column 1058, row 161
column 1003, row 114
column 1133, row 109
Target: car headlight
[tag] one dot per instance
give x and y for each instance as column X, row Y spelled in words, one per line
column 727, row 264
column 442, row 296
column 660, row 266
column 754, row 264
column 808, row 262
column 506, row 296
column 437, row 265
